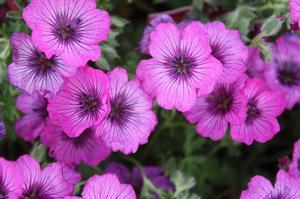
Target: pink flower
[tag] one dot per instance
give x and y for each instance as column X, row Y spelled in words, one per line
column 263, row 107
column 107, row 186
column 131, row 118
column 145, row 41
column 181, row 66
column 56, row 180
column 295, row 11
column 228, row 47
column 11, row 180
column 86, row 148
column 261, row 188
column 255, row 64
column 154, row 173
column 83, row 101
column 226, row 104
column 71, row 29
column 32, row 124
column 32, row 71
column 284, row 71
column 294, row 168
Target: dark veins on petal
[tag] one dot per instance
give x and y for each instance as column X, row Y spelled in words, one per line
column 289, row 74
column 283, row 194
column 298, row 164
column 121, row 109
column 41, row 64
column 220, row 100
column 36, row 191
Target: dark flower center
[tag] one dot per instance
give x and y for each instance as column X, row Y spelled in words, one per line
column 298, row 164
column 221, row 99
column 67, row 28
column 81, row 140
column 252, row 111
column 217, row 53
column 88, row 103
column 289, row 75
column 283, row 194
column 182, row 64
column 44, row 64
column 121, row 109
column 66, row 32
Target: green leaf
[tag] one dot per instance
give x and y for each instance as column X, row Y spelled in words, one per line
column 103, row 64
column 39, row 152
column 16, row 14
column 119, row 22
column 271, row 26
column 182, row 183
column 198, row 4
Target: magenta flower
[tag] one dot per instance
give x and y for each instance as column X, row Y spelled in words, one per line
column 228, row 47
column 32, row 71
column 54, row 181
column 11, row 180
column 32, row 124
column 255, row 64
column 154, row 173
column 71, row 29
column 145, row 41
column 86, row 148
column 294, row 168
column 83, row 101
column 261, row 188
column 295, row 11
column 262, row 109
column 180, row 67
column 107, row 186
column 284, row 71
column 131, row 118
column 226, row 104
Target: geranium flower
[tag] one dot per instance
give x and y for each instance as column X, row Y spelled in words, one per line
column 70, row 29
column 228, row 47
column 106, row 186
column 226, row 104
column 284, row 71
column 32, row 71
column 83, row 101
column 261, row 188
column 131, row 118
column 86, row 148
column 154, row 173
column 32, row 124
column 263, row 107
column 181, row 65
column 11, row 180
column 56, row 180
column 295, row 11
column 255, row 64
column 145, row 41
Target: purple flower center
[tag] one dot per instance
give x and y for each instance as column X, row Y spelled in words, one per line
column 83, row 138
column 182, row 64
column 252, row 111
column 217, row 52
column 36, row 191
column 89, row 103
column 42, row 64
column 289, row 75
column 221, row 100
column 66, row 28
column 282, row 194
column 121, row 110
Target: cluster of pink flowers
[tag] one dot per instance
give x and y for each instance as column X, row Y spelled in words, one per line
column 287, row 185
column 82, row 114
column 206, row 72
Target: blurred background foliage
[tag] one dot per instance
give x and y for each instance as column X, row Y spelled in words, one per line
column 198, row 166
